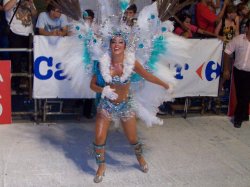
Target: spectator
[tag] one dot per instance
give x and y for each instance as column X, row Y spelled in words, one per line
column 89, row 16
column 52, row 22
column 192, row 12
column 219, row 5
column 228, row 27
column 206, row 18
column 215, row 6
column 22, row 12
column 243, row 12
column 240, row 45
column 187, row 30
column 130, row 13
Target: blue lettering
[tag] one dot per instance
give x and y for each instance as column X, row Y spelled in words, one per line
column 179, row 70
column 37, row 63
column 49, row 61
column 58, row 74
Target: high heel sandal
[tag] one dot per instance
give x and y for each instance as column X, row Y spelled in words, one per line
column 99, row 155
column 144, row 168
column 138, row 152
column 99, row 178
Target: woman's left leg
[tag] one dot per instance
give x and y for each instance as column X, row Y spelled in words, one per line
column 130, row 130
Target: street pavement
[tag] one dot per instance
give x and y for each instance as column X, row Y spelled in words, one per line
column 199, row 151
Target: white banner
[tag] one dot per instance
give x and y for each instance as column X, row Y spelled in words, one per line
column 198, row 77
column 200, row 74
column 49, row 78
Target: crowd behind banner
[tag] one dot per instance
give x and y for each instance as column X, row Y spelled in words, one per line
column 221, row 19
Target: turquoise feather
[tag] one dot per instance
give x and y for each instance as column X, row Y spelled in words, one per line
column 124, row 5
column 86, row 53
column 136, row 77
column 159, row 48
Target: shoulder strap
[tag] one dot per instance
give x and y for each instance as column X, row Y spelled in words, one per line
column 18, row 5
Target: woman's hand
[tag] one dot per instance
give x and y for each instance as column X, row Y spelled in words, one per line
column 170, row 89
column 109, row 93
column 166, row 86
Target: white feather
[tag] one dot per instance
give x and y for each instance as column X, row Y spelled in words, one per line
column 145, row 21
column 106, row 9
column 177, row 49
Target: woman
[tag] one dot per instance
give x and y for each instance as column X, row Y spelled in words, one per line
column 187, row 30
column 116, row 100
column 228, row 27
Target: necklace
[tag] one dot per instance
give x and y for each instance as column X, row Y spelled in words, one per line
column 128, row 66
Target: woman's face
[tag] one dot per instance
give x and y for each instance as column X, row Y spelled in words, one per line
column 187, row 22
column 232, row 15
column 245, row 11
column 117, row 45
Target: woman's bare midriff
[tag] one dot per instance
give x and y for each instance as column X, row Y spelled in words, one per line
column 122, row 90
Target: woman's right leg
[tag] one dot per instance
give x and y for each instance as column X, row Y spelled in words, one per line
column 130, row 130
column 101, row 131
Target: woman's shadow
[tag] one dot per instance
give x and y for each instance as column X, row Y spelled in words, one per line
column 75, row 140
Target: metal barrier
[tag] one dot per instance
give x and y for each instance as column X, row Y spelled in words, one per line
column 29, row 76
column 43, row 107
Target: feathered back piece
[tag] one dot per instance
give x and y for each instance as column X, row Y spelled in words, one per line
column 70, row 8
column 168, row 8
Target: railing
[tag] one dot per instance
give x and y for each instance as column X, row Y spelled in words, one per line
column 42, row 107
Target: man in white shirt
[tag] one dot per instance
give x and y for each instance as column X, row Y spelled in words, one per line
column 52, row 22
column 240, row 45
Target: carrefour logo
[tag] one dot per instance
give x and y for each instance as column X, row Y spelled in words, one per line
column 46, row 68
column 209, row 71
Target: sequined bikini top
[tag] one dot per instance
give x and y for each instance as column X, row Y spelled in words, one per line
column 117, row 80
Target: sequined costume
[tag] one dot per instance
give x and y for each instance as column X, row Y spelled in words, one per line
column 122, row 110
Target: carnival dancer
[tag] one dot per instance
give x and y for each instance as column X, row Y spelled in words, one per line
column 116, row 99
column 131, row 68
